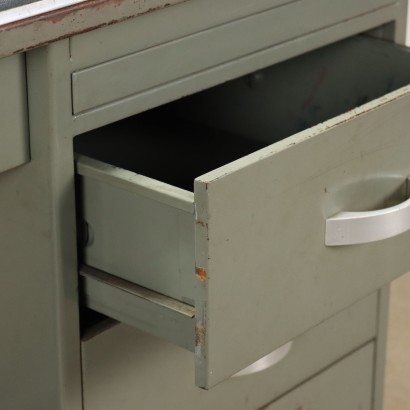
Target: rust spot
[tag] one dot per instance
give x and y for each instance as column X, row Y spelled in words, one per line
column 299, row 408
column 199, row 334
column 200, row 273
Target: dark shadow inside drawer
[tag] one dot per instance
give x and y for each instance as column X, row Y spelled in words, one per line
column 178, row 142
column 170, row 150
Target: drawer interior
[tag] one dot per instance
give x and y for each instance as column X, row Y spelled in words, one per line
column 182, row 140
column 165, row 148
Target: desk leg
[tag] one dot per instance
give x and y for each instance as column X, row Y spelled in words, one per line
column 39, row 343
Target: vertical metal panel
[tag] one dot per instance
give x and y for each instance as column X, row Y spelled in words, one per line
column 14, row 135
column 39, row 344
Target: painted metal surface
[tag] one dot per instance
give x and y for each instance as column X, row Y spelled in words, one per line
column 40, row 352
column 351, row 228
column 254, row 204
column 131, row 304
column 116, row 79
column 136, row 183
column 346, row 385
column 42, row 28
column 136, row 235
column 38, row 239
column 115, row 41
column 14, row 135
column 381, row 345
column 166, row 92
column 124, row 365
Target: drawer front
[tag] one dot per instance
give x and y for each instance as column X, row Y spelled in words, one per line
column 134, row 73
column 346, row 385
column 261, row 223
column 124, row 368
column 264, row 272
column 14, row 140
column 151, row 29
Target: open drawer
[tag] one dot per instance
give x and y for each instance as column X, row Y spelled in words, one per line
column 247, row 259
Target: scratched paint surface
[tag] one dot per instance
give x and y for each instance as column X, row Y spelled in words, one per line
column 41, row 29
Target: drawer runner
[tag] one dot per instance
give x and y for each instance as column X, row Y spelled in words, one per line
column 137, row 306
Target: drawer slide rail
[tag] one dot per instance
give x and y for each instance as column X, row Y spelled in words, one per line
column 137, row 306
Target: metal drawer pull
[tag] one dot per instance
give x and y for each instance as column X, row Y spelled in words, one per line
column 267, row 361
column 350, row 228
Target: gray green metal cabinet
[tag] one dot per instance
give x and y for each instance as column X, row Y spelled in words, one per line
column 248, row 241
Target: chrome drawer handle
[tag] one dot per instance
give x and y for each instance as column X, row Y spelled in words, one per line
column 267, row 361
column 350, row 228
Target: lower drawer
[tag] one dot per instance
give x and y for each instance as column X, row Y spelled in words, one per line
column 346, row 385
column 125, row 368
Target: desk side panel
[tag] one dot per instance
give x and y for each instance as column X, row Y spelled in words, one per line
column 14, row 140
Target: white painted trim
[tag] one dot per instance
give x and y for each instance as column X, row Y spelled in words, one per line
column 33, row 9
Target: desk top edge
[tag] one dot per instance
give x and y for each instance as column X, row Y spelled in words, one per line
column 36, row 24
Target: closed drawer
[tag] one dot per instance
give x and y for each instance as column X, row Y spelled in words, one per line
column 14, row 141
column 124, row 368
column 346, row 385
column 248, row 248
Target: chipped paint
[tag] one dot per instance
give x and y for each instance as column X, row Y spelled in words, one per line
column 200, row 334
column 204, row 225
column 201, row 273
column 42, row 29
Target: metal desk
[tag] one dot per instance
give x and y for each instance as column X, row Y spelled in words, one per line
column 55, row 85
